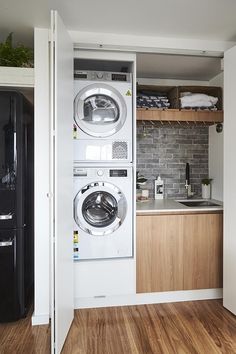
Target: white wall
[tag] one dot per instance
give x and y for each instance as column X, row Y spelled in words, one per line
column 216, row 150
column 171, row 82
column 218, row 80
column 229, row 283
column 41, row 271
column 114, row 41
column 216, row 168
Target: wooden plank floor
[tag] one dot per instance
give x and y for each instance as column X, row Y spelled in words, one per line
column 21, row 338
column 200, row 327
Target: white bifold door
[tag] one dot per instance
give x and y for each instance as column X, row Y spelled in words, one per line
column 62, row 305
column 229, row 283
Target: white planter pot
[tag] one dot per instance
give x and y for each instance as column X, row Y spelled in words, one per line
column 206, row 191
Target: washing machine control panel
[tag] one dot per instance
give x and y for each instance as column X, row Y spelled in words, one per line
column 99, row 75
column 80, row 172
column 105, row 173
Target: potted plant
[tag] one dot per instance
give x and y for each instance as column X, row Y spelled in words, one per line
column 206, row 188
column 18, row 56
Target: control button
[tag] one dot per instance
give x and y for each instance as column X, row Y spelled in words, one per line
column 100, row 173
column 99, row 75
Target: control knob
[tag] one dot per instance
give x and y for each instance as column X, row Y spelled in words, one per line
column 99, row 75
column 100, row 173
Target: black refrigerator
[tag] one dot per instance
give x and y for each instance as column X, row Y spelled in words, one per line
column 16, row 205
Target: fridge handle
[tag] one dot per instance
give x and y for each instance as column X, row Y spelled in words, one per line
column 6, row 217
column 6, row 243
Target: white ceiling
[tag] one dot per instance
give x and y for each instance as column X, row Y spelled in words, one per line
column 189, row 19
column 180, row 67
column 201, row 19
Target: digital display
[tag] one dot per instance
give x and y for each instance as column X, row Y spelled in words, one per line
column 118, row 173
column 80, row 76
column 118, row 77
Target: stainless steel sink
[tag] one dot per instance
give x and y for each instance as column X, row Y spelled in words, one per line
column 198, row 203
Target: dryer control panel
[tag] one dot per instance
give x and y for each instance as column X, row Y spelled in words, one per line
column 102, row 76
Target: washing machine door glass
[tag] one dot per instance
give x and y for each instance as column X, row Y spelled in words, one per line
column 99, row 110
column 100, row 209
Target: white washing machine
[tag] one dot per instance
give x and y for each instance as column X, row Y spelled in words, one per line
column 103, row 116
column 103, row 213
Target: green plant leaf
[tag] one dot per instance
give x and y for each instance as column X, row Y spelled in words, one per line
column 9, row 40
column 206, row 181
column 19, row 56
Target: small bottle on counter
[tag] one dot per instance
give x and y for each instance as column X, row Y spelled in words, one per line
column 159, row 188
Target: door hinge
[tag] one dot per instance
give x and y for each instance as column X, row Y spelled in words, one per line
column 50, row 195
column 51, row 35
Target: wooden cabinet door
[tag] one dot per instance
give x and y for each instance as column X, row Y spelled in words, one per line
column 159, row 253
column 179, row 252
column 202, row 251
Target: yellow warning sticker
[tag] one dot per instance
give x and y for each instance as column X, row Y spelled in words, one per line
column 128, row 93
column 76, row 237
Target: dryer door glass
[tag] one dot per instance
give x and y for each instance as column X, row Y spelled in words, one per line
column 100, row 209
column 101, row 109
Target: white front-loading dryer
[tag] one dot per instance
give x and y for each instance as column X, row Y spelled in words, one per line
column 103, row 117
column 103, row 212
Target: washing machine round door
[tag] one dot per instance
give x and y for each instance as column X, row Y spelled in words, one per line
column 99, row 110
column 100, row 208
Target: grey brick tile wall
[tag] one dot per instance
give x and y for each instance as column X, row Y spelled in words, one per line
column 165, row 149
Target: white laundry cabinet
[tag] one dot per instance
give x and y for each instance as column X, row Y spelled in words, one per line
column 54, row 269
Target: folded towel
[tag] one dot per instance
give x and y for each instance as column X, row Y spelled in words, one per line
column 200, row 103
column 212, row 108
column 182, row 94
column 151, row 100
column 198, row 97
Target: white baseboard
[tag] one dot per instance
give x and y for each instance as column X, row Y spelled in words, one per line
column 37, row 320
column 148, row 298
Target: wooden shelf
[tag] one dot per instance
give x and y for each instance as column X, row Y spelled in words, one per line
column 176, row 115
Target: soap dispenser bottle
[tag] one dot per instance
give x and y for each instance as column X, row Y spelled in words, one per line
column 159, row 188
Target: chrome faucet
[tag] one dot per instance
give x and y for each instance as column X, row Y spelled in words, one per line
column 187, row 182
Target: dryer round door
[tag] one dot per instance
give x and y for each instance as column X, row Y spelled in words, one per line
column 100, row 208
column 99, row 110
